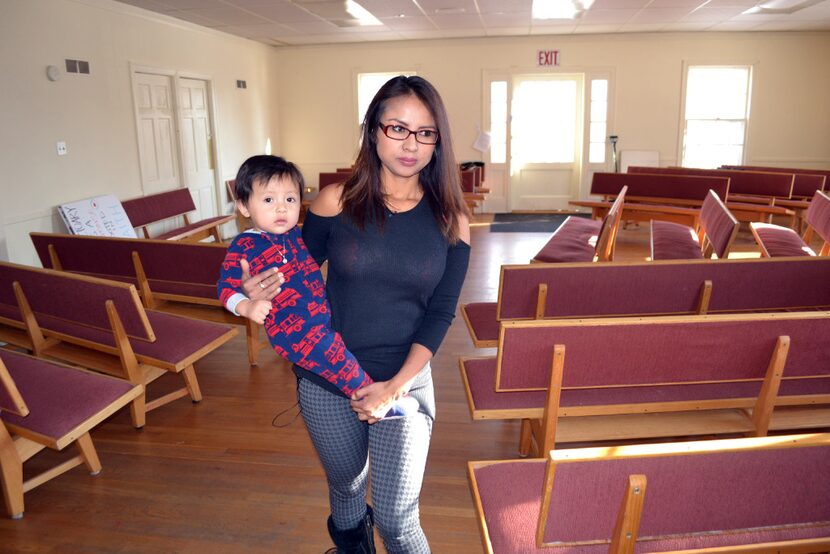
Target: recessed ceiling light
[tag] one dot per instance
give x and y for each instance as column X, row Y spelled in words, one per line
column 556, row 9
column 449, row 11
column 780, row 7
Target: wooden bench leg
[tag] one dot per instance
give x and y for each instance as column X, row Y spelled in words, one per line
column 189, row 374
column 138, row 410
column 11, row 475
column 88, row 454
column 252, row 340
column 525, row 438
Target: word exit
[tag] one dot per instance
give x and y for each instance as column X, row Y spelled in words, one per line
column 547, row 57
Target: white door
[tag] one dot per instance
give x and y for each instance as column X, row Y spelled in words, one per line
column 545, row 139
column 197, row 145
column 157, row 143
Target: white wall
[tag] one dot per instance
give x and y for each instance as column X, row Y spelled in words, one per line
column 94, row 113
column 790, row 119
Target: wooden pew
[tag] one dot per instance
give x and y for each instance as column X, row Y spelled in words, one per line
column 752, row 194
column 583, row 240
column 729, row 495
column 715, row 234
column 101, row 325
column 186, row 287
column 776, row 241
column 671, row 287
column 48, row 405
column 633, row 378
column 675, row 198
column 146, row 210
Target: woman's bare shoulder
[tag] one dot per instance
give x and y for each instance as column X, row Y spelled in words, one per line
column 327, row 201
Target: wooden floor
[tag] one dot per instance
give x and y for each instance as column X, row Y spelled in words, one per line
column 218, row 477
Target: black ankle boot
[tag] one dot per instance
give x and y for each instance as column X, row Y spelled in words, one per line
column 360, row 540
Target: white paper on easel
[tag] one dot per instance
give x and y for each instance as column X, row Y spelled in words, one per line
column 101, row 216
column 482, row 143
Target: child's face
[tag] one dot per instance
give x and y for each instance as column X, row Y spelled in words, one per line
column 273, row 206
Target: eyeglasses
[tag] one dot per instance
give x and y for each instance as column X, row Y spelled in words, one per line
column 399, row 132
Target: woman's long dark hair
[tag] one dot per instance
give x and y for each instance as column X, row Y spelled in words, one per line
column 362, row 196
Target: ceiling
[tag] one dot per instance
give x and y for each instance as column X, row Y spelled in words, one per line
column 301, row 22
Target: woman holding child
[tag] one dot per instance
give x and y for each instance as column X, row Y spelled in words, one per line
column 396, row 236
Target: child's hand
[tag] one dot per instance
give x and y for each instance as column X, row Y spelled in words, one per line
column 255, row 310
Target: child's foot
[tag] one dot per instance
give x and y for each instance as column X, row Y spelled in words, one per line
column 403, row 406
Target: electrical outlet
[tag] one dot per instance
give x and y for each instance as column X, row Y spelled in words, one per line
column 61, row 148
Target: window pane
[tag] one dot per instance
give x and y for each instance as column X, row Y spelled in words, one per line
column 596, row 153
column 716, row 93
column 711, row 157
column 597, row 131
column 599, row 110
column 498, row 122
column 368, row 85
column 544, row 122
column 599, row 89
column 715, row 132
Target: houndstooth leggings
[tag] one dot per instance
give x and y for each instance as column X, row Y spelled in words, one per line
column 393, row 451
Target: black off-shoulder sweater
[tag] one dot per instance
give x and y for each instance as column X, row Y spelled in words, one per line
column 387, row 289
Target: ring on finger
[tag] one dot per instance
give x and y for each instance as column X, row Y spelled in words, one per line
column 261, row 285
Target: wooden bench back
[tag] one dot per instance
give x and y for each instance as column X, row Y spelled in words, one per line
column 740, row 182
column 157, row 207
column 806, row 182
column 471, row 179
column 77, row 299
column 171, row 267
column 655, row 187
column 607, row 238
column 10, row 398
column 618, row 352
column 331, row 178
column 661, row 288
column 719, row 227
column 677, row 496
column 818, row 215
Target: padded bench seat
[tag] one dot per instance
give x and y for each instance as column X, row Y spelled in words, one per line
column 574, row 241
column 780, row 241
column 672, row 241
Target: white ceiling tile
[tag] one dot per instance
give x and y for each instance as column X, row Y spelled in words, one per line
column 659, row 15
column 390, row 8
column 536, row 29
column 607, row 16
column 465, row 21
column 587, row 29
column 192, row 4
column 197, row 18
column 745, row 4
column 504, row 6
column 408, row 23
column 228, row 16
column 506, row 20
column 443, row 6
column 268, row 30
column 283, row 12
column 619, row 4
column 713, row 15
column 691, row 4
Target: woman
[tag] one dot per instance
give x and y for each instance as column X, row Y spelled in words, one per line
column 396, row 236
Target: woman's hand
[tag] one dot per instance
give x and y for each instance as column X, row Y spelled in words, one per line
column 373, row 401
column 262, row 286
column 255, row 310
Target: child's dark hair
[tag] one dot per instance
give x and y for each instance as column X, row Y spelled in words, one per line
column 263, row 168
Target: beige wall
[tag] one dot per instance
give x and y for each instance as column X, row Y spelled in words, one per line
column 790, row 115
column 94, row 113
column 304, row 98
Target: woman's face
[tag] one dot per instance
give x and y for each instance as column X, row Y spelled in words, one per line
column 405, row 158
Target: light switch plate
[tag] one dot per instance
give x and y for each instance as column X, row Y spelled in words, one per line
column 61, row 146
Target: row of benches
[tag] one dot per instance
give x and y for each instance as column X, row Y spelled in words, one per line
column 580, row 358
column 96, row 324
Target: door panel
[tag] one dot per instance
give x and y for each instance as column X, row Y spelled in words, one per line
column 197, row 144
column 545, row 134
column 156, row 128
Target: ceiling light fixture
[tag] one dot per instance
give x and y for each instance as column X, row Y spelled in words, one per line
column 361, row 14
column 559, row 9
column 779, row 7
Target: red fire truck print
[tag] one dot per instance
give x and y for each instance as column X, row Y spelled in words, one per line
column 271, row 256
column 288, row 297
column 291, row 324
column 316, row 287
column 350, row 370
column 314, row 308
column 337, row 351
column 308, row 266
column 231, row 260
column 308, row 342
column 246, row 243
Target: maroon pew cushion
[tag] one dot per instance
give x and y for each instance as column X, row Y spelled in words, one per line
column 59, row 398
column 718, row 224
column 482, row 319
column 574, row 241
column 781, row 241
column 672, row 241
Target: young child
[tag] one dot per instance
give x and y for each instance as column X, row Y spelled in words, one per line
column 298, row 320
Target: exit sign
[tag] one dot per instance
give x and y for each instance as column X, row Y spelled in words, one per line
column 547, row 57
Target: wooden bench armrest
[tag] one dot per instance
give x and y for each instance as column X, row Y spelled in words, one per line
column 202, row 230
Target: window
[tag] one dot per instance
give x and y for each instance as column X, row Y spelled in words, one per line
column 368, row 85
column 544, row 120
column 498, row 122
column 717, row 110
column 599, row 121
